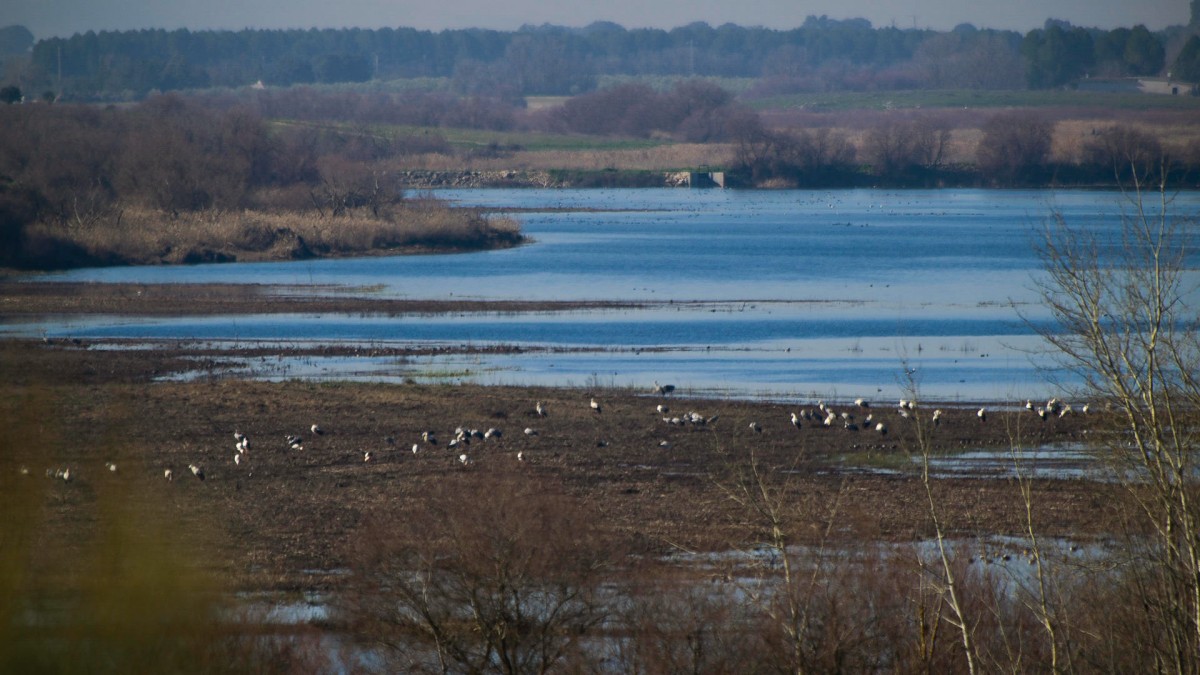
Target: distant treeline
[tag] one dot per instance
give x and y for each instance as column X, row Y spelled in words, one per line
column 821, row 54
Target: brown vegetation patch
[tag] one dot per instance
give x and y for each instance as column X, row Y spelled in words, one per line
column 282, row 513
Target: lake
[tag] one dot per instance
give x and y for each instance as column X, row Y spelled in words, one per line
column 775, row 294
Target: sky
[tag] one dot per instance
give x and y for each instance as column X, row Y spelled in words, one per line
column 62, row 18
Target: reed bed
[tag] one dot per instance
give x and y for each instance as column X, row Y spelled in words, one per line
column 138, row 235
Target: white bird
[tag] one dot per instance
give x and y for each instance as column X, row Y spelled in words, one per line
column 881, row 428
column 237, row 459
column 1029, row 405
column 662, row 409
column 862, row 403
column 982, row 415
column 595, row 406
column 367, row 456
column 110, row 466
column 169, row 475
column 937, row 417
column 238, row 436
column 795, row 421
column 492, row 432
column 540, row 409
column 463, row 459
column 664, row 444
column 66, row 475
column 428, row 437
column 530, row 431
column 520, row 456
column 415, row 448
column 293, row 440
column 452, row 444
column 1086, row 407
column 196, row 471
column 756, row 427
column 317, row 430
column 663, row 389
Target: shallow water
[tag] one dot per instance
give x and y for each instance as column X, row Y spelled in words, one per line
column 753, row 293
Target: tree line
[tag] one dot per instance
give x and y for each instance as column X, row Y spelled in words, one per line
column 555, row 60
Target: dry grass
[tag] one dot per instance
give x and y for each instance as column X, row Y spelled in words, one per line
column 138, row 235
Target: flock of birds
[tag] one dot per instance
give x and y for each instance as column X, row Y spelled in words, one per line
column 823, row 416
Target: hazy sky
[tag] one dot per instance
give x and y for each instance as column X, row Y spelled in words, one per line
column 48, row 18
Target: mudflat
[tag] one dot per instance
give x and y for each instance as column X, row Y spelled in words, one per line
column 282, row 517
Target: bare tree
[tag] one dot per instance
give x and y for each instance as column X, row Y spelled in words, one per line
column 483, row 576
column 1127, row 326
column 900, row 146
column 1014, row 147
column 1130, row 154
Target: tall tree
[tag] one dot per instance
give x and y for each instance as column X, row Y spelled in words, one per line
column 1187, row 64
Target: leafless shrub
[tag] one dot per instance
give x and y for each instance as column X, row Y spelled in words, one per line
column 677, row 623
column 1014, row 147
column 898, row 147
column 1130, row 154
column 810, row 156
column 482, row 575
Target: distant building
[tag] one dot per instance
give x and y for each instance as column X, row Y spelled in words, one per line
column 1137, row 85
